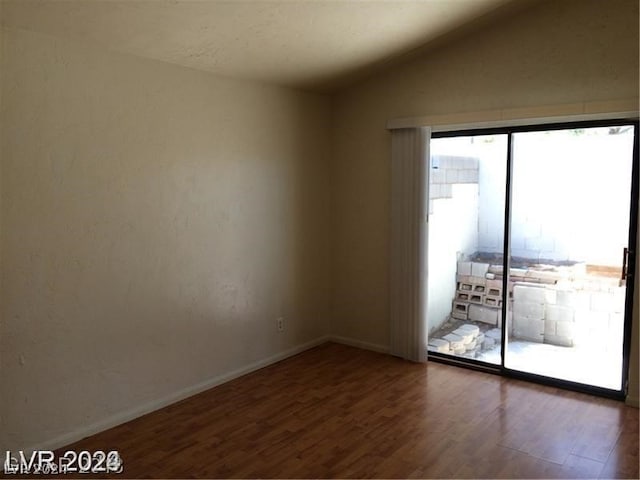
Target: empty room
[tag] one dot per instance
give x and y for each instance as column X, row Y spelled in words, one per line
column 319, row 239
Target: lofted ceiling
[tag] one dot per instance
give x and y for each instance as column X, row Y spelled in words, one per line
column 315, row 45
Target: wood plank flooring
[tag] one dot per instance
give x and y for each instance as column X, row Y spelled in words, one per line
column 340, row 412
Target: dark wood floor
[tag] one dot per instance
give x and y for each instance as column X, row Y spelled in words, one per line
column 341, row 412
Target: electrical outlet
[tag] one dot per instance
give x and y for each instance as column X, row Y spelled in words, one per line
column 280, row 324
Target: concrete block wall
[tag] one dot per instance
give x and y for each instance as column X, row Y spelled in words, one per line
column 447, row 170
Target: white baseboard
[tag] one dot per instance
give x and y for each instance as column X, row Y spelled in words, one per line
column 352, row 342
column 632, row 401
column 135, row 412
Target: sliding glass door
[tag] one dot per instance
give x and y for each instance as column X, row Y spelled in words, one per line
column 466, row 238
column 561, row 200
column 571, row 191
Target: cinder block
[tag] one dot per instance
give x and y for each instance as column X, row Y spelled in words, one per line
column 476, row 298
column 465, row 287
column 493, row 301
column 534, row 311
column 463, row 278
column 478, row 313
column 462, row 296
column 494, row 292
column 478, row 280
column 549, row 327
column 494, row 284
column 460, row 310
column 529, row 294
column 528, row 329
column 558, row 313
column 464, row 268
column 461, row 306
column 479, row 288
column 479, row 269
column 459, row 315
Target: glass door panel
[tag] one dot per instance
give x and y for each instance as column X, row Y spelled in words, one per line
column 465, row 246
column 570, row 200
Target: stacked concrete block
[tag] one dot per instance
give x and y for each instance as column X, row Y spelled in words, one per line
column 560, row 327
column 528, row 312
column 471, row 289
column 464, row 269
column 482, row 314
column 494, row 288
column 472, row 300
column 479, row 269
column 460, row 310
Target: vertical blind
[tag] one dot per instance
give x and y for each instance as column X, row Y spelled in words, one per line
column 408, row 269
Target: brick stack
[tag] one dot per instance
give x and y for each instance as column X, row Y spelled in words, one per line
column 564, row 316
column 478, row 294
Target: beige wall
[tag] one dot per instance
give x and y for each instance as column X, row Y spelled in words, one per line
column 156, row 222
column 557, row 53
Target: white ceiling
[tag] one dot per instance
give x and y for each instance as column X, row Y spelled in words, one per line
column 297, row 43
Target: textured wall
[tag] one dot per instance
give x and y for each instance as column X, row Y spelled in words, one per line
column 557, row 53
column 155, row 222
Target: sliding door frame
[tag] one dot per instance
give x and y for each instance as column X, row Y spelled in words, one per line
column 631, row 260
